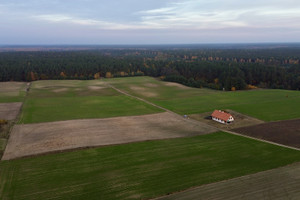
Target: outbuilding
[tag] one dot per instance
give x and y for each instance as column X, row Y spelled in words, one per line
column 222, row 116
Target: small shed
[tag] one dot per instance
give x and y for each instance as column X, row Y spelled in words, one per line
column 222, row 116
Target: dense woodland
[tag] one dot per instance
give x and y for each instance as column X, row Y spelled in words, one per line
column 217, row 68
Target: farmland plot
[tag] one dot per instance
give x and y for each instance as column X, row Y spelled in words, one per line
column 31, row 139
column 12, row 91
column 50, row 101
column 280, row 183
column 9, row 111
column 283, row 132
column 140, row 170
column 259, row 104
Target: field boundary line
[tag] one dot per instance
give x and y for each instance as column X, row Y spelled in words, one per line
column 148, row 102
column 261, row 140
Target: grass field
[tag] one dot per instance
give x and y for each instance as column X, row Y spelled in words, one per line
column 280, row 183
column 12, row 92
column 139, row 170
column 65, row 100
column 2, row 144
column 267, row 105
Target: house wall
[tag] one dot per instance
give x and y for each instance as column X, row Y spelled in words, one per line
column 218, row 120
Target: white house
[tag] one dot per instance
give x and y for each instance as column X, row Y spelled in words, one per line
column 222, row 116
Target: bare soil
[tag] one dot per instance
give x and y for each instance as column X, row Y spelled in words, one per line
column 282, row 132
column 60, row 90
column 143, row 91
column 152, row 85
column 11, row 86
column 136, row 88
column 240, row 120
column 280, row 183
column 92, row 87
column 176, row 85
column 32, row 139
column 9, row 111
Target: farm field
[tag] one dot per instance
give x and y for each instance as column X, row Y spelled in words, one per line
column 12, row 91
column 9, row 111
column 139, row 170
column 283, row 132
column 184, row 100
column 66, row 100
column 32, row 139
column 280, row 183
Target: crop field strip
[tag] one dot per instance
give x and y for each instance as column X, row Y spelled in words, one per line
column 12, row 95
column 66, row 100
column 259, row 104
column 41, row 138
column 9, row 111
column 282, row 132
column 12, row 91
column 279, row 183
column 139, row 170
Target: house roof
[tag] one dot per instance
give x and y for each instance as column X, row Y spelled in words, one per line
column 221, row 115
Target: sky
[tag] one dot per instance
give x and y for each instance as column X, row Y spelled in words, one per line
column 55, row 22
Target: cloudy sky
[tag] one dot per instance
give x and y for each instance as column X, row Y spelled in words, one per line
column 148, row 21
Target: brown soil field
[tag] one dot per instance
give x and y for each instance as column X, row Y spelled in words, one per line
column 143, row 91
column 12, row 88
column 240, row 120
column 33, row 139
column 280, row 183
column 282, row 132
column 176, row 85
column 9, row 111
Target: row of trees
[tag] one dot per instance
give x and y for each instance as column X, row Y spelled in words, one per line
column 229, row 75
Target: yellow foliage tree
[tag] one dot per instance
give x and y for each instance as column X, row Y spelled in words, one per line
column 108, row 75
column 216, row 80
column 97, row 75
column 233, row 89
column 62, row 74
column 122, row 73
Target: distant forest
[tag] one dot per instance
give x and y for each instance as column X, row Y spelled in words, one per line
column 221, row 69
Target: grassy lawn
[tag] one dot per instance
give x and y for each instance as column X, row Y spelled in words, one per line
column 65, row 100
column 267, row 105
column 139, row 170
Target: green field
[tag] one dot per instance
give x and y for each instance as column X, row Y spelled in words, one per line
column 264, row 104
column 139, row 170
column 2, row 144
column 65, row 100
column 12, row 92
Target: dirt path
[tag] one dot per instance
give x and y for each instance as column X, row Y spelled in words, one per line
column 280, row 183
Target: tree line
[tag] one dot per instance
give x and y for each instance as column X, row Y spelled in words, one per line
column 216, row 69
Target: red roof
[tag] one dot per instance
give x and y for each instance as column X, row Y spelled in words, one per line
column 221, row 115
